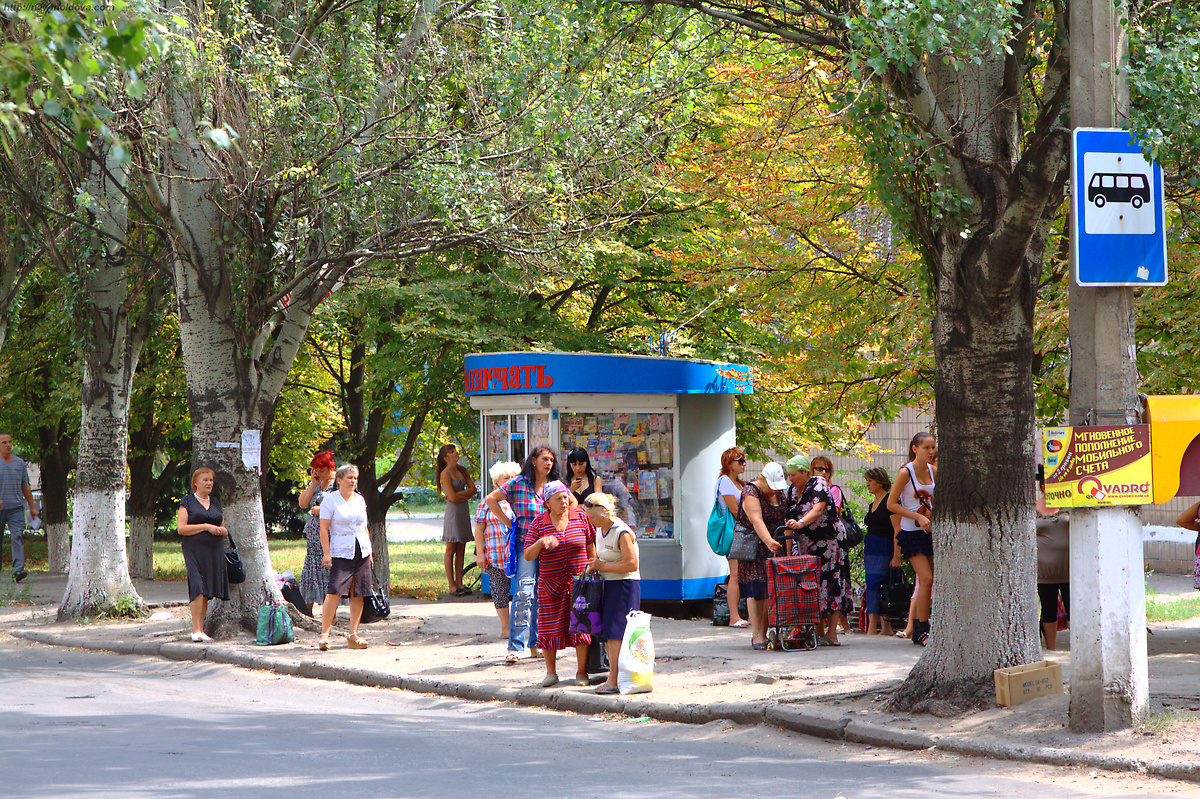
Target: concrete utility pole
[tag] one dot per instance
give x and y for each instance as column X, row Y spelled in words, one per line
column 1108, row 597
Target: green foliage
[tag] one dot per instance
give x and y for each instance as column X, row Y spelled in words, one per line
column 67, row 66
column 902, row 34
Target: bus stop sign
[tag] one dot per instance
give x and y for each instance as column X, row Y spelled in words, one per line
column 1118, row 222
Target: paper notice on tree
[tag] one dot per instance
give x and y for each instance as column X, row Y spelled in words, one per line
column 251, row 448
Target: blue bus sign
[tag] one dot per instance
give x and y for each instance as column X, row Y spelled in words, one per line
column 1118, row 220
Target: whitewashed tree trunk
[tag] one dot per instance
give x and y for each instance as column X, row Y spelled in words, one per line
column 99, row 580
column 141, row 547
column 58, row 547
column 984, row 613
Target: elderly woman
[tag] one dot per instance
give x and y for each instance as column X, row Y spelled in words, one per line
column 491, row 544
column 199, row 521
column 763, row 509
column 562, row 541
column 524, row 495
column 314, row 578
column 346, row 552
column 820, row 533
column 880, row 549
column 616, row 560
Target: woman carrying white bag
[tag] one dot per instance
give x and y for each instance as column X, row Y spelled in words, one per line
column 617, row 562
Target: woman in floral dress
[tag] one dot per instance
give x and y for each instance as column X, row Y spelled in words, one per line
column 820, row 533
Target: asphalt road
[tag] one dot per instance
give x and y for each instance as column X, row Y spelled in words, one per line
column 82, row 724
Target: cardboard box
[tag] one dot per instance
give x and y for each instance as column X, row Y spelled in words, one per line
column 1018, row 684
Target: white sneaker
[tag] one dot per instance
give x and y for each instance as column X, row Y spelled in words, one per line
column 201, row 638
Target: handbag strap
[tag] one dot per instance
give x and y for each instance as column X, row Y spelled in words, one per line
column 232, row 543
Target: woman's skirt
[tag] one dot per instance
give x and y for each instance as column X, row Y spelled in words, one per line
column 877, row 557
column 314, row 577
column 621, row 597
column 499, row 584
column 915, row 542
column 207, row 569
column 351, row 576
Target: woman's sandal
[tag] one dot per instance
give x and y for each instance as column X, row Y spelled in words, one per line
column 323, row 642
column 607, row 690
column 356, row 641
column 741, row 624
column 760, row 646
column 511, row 659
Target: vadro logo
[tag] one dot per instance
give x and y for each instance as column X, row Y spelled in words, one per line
column 1090, row 487
column 1053, row 446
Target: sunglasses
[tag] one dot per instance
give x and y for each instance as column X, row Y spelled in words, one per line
column 740, row 460
column 587, row 503
column 820, row 469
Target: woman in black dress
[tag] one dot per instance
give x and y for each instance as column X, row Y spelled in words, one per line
column 763, row 510
column 199, row 521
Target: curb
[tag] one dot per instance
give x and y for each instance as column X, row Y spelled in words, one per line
column 815, row 723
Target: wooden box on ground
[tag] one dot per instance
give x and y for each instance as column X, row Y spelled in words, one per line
column 1018, row 684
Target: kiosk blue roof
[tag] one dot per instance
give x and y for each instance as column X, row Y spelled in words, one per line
column 494, row 373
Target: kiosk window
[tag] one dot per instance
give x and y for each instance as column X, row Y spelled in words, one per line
column 634, row 456
column 511, row 437
column 495, row 430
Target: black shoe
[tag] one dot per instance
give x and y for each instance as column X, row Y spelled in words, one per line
column 19, row 576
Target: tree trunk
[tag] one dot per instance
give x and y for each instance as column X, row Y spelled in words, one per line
column 141, row 546
column 99, row 582
column 56, row 462
column 984, row 500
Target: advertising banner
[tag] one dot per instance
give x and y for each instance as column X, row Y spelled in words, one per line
column 1097, row 466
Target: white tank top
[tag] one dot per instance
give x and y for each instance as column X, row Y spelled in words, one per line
column 608, row 550
column 908, row 496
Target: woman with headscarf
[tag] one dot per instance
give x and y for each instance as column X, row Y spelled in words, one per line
column 314, row 578
column 763, row 509
column 524, row 496
column 562, row 541
column 820, row 533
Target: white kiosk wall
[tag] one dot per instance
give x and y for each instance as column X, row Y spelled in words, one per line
column 706, row 423
column 582, row 393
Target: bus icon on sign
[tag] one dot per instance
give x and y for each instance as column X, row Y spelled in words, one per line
column 1109, row 187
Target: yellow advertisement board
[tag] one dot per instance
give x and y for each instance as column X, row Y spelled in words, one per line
column 1097, row 466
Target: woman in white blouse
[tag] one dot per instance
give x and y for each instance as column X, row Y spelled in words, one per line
column 346, row 549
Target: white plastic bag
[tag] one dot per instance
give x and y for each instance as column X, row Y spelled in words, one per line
column 635, row 664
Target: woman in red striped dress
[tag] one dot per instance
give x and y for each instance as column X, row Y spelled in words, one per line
column 562, row 540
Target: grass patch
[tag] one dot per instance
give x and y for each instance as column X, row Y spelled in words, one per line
column 1175, row 610
column 416, row 566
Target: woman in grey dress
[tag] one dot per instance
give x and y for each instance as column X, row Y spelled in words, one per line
column 457, row 486
column 314, row 578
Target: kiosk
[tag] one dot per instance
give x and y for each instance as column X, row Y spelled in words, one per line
column 654, row 429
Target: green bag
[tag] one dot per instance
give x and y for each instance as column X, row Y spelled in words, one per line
column 274, row 625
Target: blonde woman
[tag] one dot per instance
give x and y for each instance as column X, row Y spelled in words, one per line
column 616, row 560
column 346, row 548
column 491, row 546
column 199, row 521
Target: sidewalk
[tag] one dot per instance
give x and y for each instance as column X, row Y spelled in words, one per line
column 702, row 674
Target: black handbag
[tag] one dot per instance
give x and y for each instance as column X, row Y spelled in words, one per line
column 376, row 605
column 233, row 564
column 745, row 543
column 895, row 593
column 854, row 533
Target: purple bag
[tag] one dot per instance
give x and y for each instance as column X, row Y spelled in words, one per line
column 587, row 592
